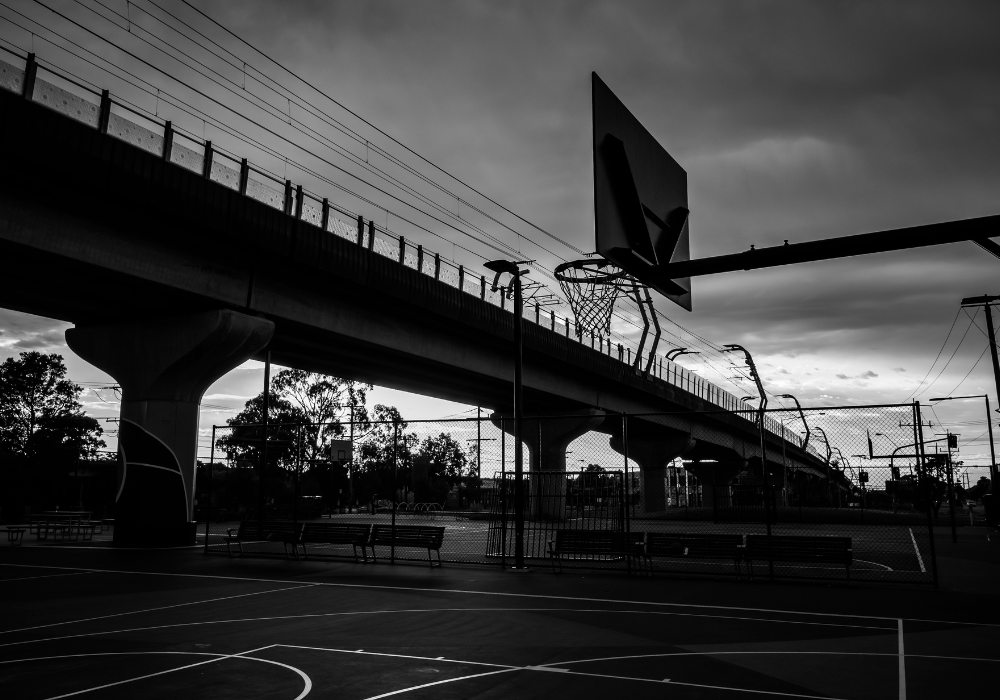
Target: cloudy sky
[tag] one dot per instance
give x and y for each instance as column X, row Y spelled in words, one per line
column 794, row 120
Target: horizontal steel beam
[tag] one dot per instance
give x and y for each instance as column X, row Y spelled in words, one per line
column 845, row 247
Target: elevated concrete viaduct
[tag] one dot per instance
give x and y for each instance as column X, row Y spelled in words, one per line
column 103, row 234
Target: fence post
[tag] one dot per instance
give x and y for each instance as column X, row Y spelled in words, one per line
column 324, row 222
column 206, row 163
column 30, row 71
column 104, row 114
column 437, row 266
column 918, row 439
column 361, row 229
column 298, row 202
column 482, row 287
column 420, row 259
column 208, row 507
column 371, row 235
column 461, row 278
column 395, row 474
column 262, row 479
column 168, row 140
column 298, row 469
column 503, row 493
column 626, row 486
column 402, row 250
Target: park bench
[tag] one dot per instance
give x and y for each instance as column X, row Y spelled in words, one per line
column 417, row 536
column 268, row 531
column 354, row 534
column 15, row 535
column 594, row 543
column 800, row 548
column 86, row 529
column 693, row 546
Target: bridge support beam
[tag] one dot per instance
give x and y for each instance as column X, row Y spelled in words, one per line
column 164, row 367
column 546, row 440
column 714, row 476
column 653, row 456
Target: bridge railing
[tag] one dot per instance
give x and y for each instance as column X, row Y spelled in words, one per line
column 100, row 110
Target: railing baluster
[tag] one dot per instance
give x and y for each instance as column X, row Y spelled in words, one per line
column 168, row 140
column 30, row 71
column 206, row 163
column 104, row 116
column 244, row 175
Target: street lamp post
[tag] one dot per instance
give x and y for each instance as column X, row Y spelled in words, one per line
column 733, row 347
column 511, row 267
column 829, row 454
column 989, row 427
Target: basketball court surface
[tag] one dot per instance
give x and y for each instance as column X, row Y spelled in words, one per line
column 111, row 624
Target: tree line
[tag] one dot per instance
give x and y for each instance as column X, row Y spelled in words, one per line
column 44, row 433
column 307, row 413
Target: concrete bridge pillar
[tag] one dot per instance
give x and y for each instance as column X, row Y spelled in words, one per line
column 653, row 456
column 546, row 440
column 164, row 367
column 714, row 475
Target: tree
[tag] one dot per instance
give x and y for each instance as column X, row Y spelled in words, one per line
column 439, row 464
column 43, row 430
column 325, row 403
column 39, row 405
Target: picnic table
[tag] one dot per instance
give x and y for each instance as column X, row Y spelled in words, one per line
column 62, row 523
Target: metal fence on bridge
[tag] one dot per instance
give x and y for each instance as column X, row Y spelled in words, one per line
column 878, row 484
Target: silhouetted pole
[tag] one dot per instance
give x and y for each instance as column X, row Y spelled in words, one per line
column 511, row 267
column 261, row 495
column 986, row 301
column 732, row 347
column 518, row 426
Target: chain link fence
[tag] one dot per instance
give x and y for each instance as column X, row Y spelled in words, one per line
column 857, row 493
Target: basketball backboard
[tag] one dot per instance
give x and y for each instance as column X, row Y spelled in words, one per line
column 640, row 198
column 341, row 451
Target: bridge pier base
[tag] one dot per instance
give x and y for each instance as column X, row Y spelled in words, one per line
column 546, row 440
column 713, row 476
column 653, row 456
column 164, row 367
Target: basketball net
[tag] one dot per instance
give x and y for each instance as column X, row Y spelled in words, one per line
column 591, row 288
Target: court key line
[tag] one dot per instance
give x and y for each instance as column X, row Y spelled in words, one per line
column 139, row 612
column 218, row 657
column 500, row 594
column 31, row 578
column 426, row 610
column 920, row 559
column 548, row 668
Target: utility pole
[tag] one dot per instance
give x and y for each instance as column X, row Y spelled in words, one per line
column 987, row 301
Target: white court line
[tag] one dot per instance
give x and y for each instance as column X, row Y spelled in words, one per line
column 499, row 594
column 447, row 680
column 31, row 578
column 355, row 613
column 218, row 657
column 920, row 559
column 138, row 612
column 550, row 668
column 902, row 662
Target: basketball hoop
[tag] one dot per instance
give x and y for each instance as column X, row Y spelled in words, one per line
column 591, row 288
